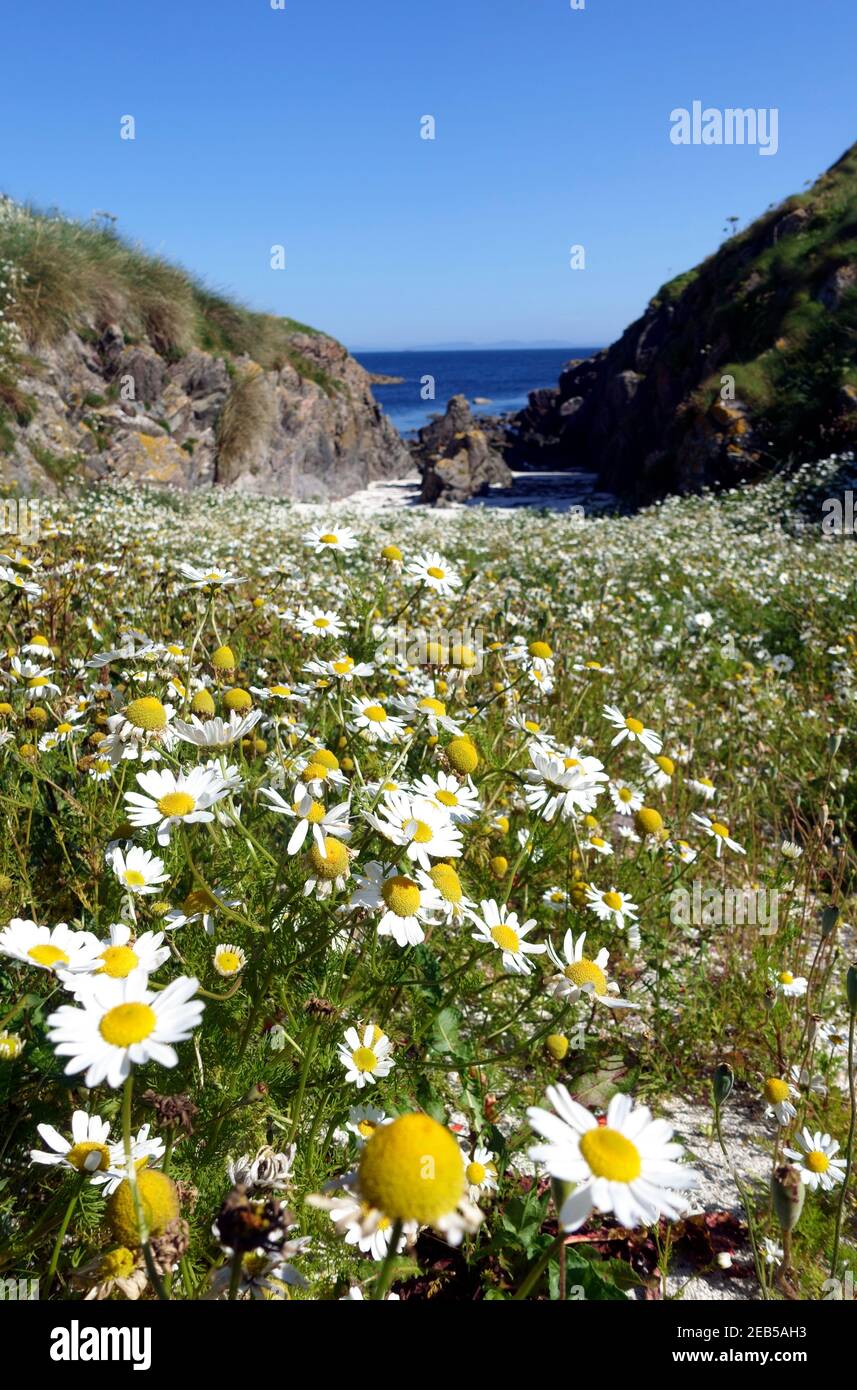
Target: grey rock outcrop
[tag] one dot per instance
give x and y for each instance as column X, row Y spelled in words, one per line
column 309, row 429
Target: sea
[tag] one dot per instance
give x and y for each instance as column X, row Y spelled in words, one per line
column 502, row 377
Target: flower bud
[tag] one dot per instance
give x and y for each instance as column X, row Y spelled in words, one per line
column 829, row 918
column 851, row 988
column 788, row 1193
column 722, row 1083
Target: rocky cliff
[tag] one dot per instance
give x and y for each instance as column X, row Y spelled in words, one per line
column 133, row 370
column 455, row 457
column 735, row 368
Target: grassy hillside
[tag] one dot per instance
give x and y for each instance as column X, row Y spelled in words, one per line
column 63, row 275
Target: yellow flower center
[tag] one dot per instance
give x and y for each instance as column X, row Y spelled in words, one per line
column 134, row 879
column 329, row 538
column 401, row 895
column 817, row 1162
column 126, row 1024
column 343, row 666
column 597, row 841
column 776, row 1090
column 321, row 622
column 316, row 813
column 634, row 726
column 625, row 794
column 436, row 573
column 649, row 821
column 447, row 882
column 376, row 713
column 506, row 937
column 228, row 962
column 718, row 828
column 366, row 1128
column 665, row 764
column 432, row 706
column 422, row 834
column 176, row 804
column 613, row 901
column 445, row 798
column 475, row 1173
column 412, row 1170
column 586, row 972
column 238, row 699
column 199, row 900
column 610, row 1155
column 326, row 758
column 79, row 1153
column 462, row 755
column 315, row 772
column 48, row 955
column 336, row 863
column 117, row 1264
column 364, row 1059
column 147, row 714
column 281, row 690
column 786, row 978
column 119, row 961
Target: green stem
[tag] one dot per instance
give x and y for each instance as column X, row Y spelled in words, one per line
column 539, row 1267
column 382, row 1282
column 849, row 1157
column 61, row 1234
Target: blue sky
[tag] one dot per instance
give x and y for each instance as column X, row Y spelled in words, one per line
column 301, row 127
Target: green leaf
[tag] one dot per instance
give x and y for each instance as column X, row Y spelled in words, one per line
column 444, row 1036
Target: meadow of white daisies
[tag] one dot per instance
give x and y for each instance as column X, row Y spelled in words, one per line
column 373, row 889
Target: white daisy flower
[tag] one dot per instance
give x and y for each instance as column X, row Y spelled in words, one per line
column 629, row 1166
column 320, row 538
column 311, row 818
column 349, row 1215
column 319, row 622
column 174, row 799
column 405, row 904
column 816, row 1162
column 430, row 710
column 480, row 1172
column 422, row 827
column 435, row 572
column 123, row 953
column 719, row 833
column 458, row 800
column 216, row 732
column 91, row 1150
column 229, row 960
column 212, row 577
column 118, row 1024
column 626, row 799
column 581, row 977
column 366, row 1058
column 611, row 905
column 778, row 1093
column 372, row 719
column 558, row 784
column 56, row 949
column 789, row 985
column 138, row 870
column 704, row 786
column 633, row 729
column 498, row 927
column 363, row 1120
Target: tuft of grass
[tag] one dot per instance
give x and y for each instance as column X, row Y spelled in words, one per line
column 245, row 421
column 84, row 276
